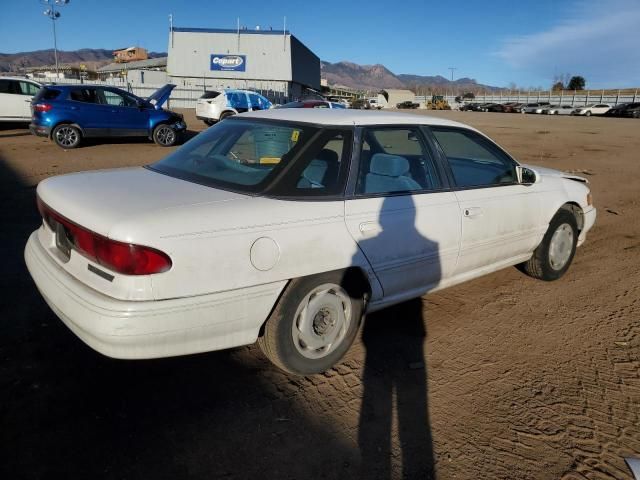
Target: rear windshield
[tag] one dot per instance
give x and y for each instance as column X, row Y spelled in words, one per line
column 46, row 93
column 209, row 94
column 237, row 154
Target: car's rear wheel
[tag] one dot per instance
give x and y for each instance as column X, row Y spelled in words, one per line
column 224, row 115
column 165, row 136
column 555, row 253
column 313, row 324
column 66, row 136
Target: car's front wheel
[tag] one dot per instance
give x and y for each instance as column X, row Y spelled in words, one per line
column 313, row 325
column 555, row 253
column 165, row 136
column 66, row 136
column 588, row 114
column 224, row 115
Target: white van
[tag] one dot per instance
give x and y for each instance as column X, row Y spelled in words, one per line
column 15, row 98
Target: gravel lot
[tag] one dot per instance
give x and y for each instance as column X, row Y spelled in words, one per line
column 503, row 377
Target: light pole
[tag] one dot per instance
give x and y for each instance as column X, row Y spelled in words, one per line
column 53, row 14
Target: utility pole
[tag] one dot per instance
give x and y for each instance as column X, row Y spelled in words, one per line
column 53, row 14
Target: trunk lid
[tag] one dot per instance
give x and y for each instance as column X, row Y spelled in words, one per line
column 102, row 199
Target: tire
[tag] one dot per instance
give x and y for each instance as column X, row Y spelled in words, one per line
column 285, row 341
column 164, row 135
column 588, row 114
column 636, row 114
column 209, row 122
column 66, row 136
column 555, row 253
column 224, row 115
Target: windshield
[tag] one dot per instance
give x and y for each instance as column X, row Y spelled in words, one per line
column 237, row 154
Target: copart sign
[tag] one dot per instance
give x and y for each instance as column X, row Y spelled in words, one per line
column 235, row 63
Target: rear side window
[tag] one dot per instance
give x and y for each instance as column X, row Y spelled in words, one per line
column 473, row 161
column 46, row 94
column 86, row 95
column 209, row 94
column 394, row 160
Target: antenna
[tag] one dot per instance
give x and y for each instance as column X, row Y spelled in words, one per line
column 284, row 35
column 452, row 70
column 238, row 35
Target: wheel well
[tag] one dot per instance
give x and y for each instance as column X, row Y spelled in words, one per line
column 577, row 212
column 354, row 280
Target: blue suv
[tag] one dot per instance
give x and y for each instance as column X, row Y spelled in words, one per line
column 68, row 113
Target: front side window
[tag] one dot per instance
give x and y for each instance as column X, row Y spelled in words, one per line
column 238, row 154
column 9, row 86
column 473, row 161
column 116, row 99
column 395, row 160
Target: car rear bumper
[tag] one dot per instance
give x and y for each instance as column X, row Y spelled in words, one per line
column 39, row 130
column 150, row 329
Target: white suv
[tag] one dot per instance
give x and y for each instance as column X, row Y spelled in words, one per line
column 592, row 109
column 215, row 106
column 15, row 98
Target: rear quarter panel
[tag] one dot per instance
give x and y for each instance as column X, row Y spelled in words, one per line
column 213, row 248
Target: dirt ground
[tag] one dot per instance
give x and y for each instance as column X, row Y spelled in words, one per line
column 503, row 377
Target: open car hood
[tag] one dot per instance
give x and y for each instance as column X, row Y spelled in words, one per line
column 160, row 96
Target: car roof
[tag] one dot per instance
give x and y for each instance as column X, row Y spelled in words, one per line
column 22, row 79
column 349, row 117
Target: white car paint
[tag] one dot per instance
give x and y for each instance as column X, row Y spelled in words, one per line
column 559, row 110
column 233, row 253
column 592, row 109
column 210, row 109
column 15, row 98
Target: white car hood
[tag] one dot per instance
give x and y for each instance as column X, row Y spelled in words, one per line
column 550, row 172
column 101, row 199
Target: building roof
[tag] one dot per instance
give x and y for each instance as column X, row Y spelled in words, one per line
column 336, row 116
column 234, row 31
column 149, row 63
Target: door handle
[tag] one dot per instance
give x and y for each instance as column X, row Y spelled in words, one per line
column 472, row 212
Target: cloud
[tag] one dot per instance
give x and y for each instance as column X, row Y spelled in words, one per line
column 601, row 42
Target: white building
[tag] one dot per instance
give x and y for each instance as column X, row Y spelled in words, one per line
column 266, row 60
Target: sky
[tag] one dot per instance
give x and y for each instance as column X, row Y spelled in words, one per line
column 498, row 42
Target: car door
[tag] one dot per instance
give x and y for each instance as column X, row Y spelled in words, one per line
column 402, row 216
column 12, row 102
column 127, row 118
column 501, row 219
column 28, row 90
column 86, row 109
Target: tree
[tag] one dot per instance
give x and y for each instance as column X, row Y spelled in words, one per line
column 557, row 86
column 576, row 83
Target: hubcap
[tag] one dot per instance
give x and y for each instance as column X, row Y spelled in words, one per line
column 321, row 321
column 66, row 136
column 166, row 135
column 561, row 246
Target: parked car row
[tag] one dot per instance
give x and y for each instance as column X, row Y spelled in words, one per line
column 630, row 110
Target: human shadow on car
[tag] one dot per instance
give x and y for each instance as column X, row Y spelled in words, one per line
column 395, row 368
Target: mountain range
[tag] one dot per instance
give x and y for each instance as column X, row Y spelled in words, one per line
column 372, row 77
column 348, row 74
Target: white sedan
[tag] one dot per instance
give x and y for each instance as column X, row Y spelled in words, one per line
column 592, row 109
column 285, row 226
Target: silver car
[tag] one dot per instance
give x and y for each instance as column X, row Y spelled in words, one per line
column 559, row 110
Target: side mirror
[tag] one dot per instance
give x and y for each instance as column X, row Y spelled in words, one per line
column 526, row 176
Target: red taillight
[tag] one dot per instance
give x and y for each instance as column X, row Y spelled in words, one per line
column 125, row 258
column 42, row 107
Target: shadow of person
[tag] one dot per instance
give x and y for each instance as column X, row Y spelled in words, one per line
column 395, row 373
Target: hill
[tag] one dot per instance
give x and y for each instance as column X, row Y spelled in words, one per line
column 92, row 57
